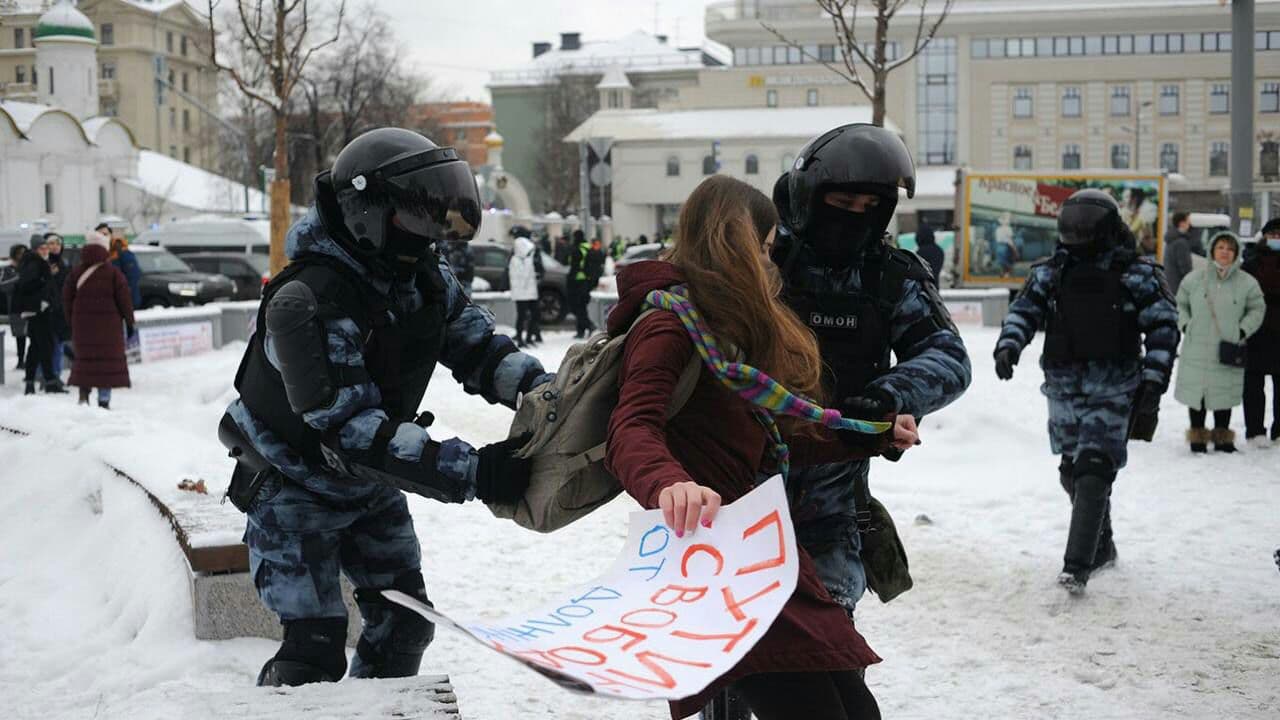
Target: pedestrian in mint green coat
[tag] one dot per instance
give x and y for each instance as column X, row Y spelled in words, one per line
column 1216, row 303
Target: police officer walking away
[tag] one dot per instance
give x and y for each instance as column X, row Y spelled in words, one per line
column 1099, row 303
column 863, row 299
column 326, row 430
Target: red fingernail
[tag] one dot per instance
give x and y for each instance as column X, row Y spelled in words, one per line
column 679, row 533
column 706, row 523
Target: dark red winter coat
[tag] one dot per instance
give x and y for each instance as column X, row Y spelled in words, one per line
column 717, row 442
column 98, row 309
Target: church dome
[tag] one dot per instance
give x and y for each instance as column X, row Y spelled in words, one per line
column 63, row 20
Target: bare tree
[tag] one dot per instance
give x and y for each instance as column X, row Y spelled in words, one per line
column 278, row 33
column 570, row 100
column 874, row 58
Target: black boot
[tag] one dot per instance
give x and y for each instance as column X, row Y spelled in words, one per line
column 30, row 389
column 313, row 650
column 1106, row 556
column 1066, row 476
column 394, row 637
column 1094, row 474
column 55, row 386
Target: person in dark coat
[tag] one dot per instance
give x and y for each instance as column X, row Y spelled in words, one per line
column 1178, row 249
column 1262, row 261
column 33, row 299
column 61, row 330
column 927, row 248
column 97, row 302
column 9, row 286
column 807, row 664
column 581, row 283
column 124, row 259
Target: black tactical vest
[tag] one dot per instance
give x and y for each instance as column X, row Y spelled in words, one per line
column 400, row 353
column 1092, row 315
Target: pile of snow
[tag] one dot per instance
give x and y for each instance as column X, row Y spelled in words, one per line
column 95, row 611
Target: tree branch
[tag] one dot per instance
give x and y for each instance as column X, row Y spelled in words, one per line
column 933, row 30
column 805, row 53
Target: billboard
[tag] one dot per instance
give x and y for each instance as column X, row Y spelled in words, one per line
column 1010, row 220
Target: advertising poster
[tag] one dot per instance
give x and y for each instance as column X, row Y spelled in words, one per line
column 1011, row 221
column 164, row 342
column 669, row 617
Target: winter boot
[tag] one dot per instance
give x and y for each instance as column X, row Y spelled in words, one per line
column 1199, row 439
column 1106, row 556
column 104, row 404
column 394, row 637
column 314, row 650
column 31, row 388
column 1094, row 473
column 55, row 386
column 84, row 396
column 1224, row 440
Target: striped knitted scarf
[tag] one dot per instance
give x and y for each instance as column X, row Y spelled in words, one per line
column 767, row 397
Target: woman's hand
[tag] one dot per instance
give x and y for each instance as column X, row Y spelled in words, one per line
column 683, row 502
column 905, row 433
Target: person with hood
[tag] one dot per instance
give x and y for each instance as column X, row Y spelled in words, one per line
column 33, row 299
column 59, row 270
column 1100, row 305
column 1219, row 307
column 523, row 271
column 97, row 303
column 1178, row 249
column 327, row 430
column 125, row 261
column 867, row 303
column 1262, row 261
column 807, row 665
column 8, row 285
column 927, row 248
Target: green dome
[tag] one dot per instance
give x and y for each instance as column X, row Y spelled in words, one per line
column 62, row 20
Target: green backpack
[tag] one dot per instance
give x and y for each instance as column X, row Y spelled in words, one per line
column 568, row 419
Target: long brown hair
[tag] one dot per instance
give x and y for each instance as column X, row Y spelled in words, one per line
column 719, row 251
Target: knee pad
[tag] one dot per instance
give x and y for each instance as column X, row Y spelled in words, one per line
column 394, row 637
column 1095, row 463
column 314, row 650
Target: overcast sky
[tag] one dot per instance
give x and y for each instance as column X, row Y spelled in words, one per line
column 459, row 43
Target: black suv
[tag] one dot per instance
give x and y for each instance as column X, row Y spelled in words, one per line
column 167, row 280
column 248, row 273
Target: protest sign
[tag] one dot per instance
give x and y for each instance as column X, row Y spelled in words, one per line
column 670, row 616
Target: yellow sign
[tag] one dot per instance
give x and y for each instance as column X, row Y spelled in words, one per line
column 1246, row 213
column 755, row 81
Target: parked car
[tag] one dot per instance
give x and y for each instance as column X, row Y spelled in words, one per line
column 636, row 253
column 248, row 273
column 491, row 260
column 168, row 281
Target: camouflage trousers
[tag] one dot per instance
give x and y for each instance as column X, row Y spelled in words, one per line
column 298, row 543
column 1090, row 422
column 823, row 509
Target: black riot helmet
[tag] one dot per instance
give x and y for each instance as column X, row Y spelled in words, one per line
column 858, row 157
column 1090, row 218
column 392, row 172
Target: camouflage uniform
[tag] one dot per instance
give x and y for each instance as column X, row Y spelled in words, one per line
column 308, row 523
column 1090, row 401
column 931, row 372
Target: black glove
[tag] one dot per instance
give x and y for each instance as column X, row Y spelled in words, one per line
column 1146, row 409
column 874, row 404
column 500, row 476
column 1006, row 358
column 130, row 331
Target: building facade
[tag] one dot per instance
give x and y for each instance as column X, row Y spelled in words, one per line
column 464, row 125
column 135, row 39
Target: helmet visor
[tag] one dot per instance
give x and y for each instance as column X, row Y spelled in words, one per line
column 1082, row 224
column 440, row 202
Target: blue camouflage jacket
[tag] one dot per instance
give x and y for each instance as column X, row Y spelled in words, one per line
column 1157, row 317
column 469, row 342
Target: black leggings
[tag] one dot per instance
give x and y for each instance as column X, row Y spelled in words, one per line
column 838, row 695
column 1221, row 418
column 22, row 349
column 1255, row 403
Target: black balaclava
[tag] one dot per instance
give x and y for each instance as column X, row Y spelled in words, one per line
column 839, row 237
column 401, row 242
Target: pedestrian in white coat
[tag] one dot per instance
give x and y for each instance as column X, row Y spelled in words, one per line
column 523, row 271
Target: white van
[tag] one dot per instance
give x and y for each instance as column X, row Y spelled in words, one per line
column 206, row 234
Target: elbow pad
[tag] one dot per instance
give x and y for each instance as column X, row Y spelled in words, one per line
column 298, row 339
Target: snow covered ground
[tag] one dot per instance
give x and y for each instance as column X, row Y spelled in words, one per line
column 95, row 617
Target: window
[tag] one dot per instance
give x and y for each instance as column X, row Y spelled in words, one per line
column 978, row 49
column 102, row 199
column 1219, row 159
column 1270, row 98
column 1216, row 42
column 48, row 197
column 1022, row 157
column 172, row 77
column 108, row 34
column 753, row 56
column 827, row 53
column 1110, row 45
column 937, row 112
column 20, row 77
column 1071, row 157
column 1141, row 44
column 1044, row 46
column 51, row 90
column 1077, row 46
column 1061, row 46
column 739, row 56
column 615, row 99
column 810, row 53
column 186, row 155
column 1120, row 101
column 1191, row 42
column 811, row 98
column 1120, row 156
column 184, row 45
column 1093, row 45
column 185, row 86
column 1220, row 99
column 168, row 41
column 19, row 38
column 673, row 166
column 771, row 98
column 1071, row 102
column 1169, row 99
column 1175, row 43
column 108, row 71
column 752, row 165
column 995, row 47
column 173, row 119
column 708, row 164
column 793, row 56
column 1023, row 104
column 1126, row 44
column 186, row 125
column 1159, row 44
column 1169, row 157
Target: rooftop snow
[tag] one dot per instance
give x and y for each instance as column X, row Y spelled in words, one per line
column 720, row 124
column 637, row 51
column 190, row 186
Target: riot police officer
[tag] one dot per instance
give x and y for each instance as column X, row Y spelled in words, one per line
column 864, row 300
column 1099, row 304
column 326, row 431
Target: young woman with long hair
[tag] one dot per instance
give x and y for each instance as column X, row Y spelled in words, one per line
column 714, row 450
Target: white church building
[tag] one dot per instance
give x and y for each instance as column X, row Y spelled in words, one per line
column 63, row 167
